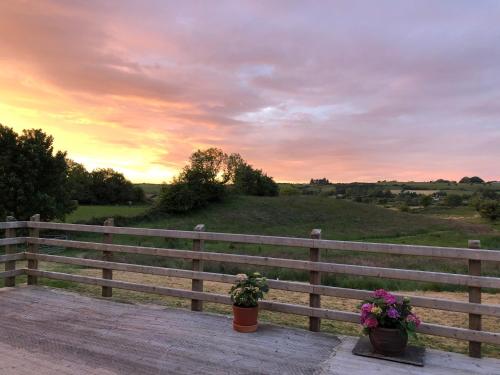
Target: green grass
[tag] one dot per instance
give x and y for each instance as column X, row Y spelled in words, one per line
column 84, row 213
column 339, row 219
column 150, row 188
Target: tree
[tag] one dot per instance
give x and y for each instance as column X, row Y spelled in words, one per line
column 32, row 176
column 108, row 186
column 319, row 181
column 471, row 180
column 101, row 186
column 206, row 177
column 79, row 181
column 251, row 181
column 200, row 182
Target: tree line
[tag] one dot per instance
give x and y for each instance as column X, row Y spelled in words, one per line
column 101, row 186
column 36, row 179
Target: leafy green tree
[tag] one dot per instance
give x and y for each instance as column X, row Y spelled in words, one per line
column 251, row 181
column 201, row 181
column 205, row 180
column 79, row 183
column 108, row 186
column 32, row 176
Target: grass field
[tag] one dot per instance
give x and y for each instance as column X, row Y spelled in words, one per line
column 296, row 216
column 150, row 188
column 84, row 213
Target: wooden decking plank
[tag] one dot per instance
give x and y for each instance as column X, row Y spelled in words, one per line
column 150, row 340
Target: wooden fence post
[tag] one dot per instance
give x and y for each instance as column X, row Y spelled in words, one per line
column 108, row 257
column 33, row 248
column 314, row 279
column 196, row 284
column 10, row 249
column 475, row 297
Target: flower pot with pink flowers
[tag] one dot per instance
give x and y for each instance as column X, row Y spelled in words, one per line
column 388, row 322
column 245, row 294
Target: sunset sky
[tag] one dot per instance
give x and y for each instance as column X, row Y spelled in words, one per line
column 348, row 90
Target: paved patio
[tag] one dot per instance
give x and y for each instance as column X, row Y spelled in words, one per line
column 45, row 331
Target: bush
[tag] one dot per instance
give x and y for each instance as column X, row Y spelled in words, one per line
column 425, row 200
column 404, row 207
column 453, row 200
column 489, row 209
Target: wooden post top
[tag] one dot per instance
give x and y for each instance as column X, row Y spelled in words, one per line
column 109, row 222
column 474, row 244
column 316, row 234
column 200, row 228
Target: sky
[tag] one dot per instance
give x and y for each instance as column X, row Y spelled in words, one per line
column 348, row 90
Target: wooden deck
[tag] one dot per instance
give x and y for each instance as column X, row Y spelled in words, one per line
column 45, row 331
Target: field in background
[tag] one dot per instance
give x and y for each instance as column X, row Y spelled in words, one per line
column 150, row 188
column 84, row 213
column 339, row 219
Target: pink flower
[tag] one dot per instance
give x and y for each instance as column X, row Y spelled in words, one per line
column 366, row 307
column 413, row 318
column 389, row 299
column 379, row 293
column 386, row 296
column 365, row 311
column 370, row 322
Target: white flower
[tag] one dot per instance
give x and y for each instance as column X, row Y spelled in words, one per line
column 241, row 277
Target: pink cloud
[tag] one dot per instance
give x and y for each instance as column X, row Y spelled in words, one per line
column 346, row 90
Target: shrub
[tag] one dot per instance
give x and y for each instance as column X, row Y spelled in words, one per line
column 489, row 209
column 425, row 200
column 404, row 207
column 453, row 200
column 288, row 190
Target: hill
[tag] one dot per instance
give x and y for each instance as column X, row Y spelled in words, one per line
column 339, row 219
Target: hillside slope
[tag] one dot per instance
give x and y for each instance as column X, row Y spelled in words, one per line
column 297, row 215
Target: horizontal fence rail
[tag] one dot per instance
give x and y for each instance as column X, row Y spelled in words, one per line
column 390, row 273
column 431, row 251
column 474, row 281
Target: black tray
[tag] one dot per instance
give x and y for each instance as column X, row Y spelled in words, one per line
column 413, row 355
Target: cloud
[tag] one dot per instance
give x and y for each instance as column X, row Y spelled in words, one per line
column 350, row 90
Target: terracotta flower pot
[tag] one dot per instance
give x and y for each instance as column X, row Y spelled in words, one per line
column 245, row 318
column 388, row 341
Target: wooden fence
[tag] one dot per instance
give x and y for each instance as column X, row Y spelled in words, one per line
column 474, row 281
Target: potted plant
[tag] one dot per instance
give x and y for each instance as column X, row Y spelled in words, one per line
column 388, row 322
column 245, row 294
